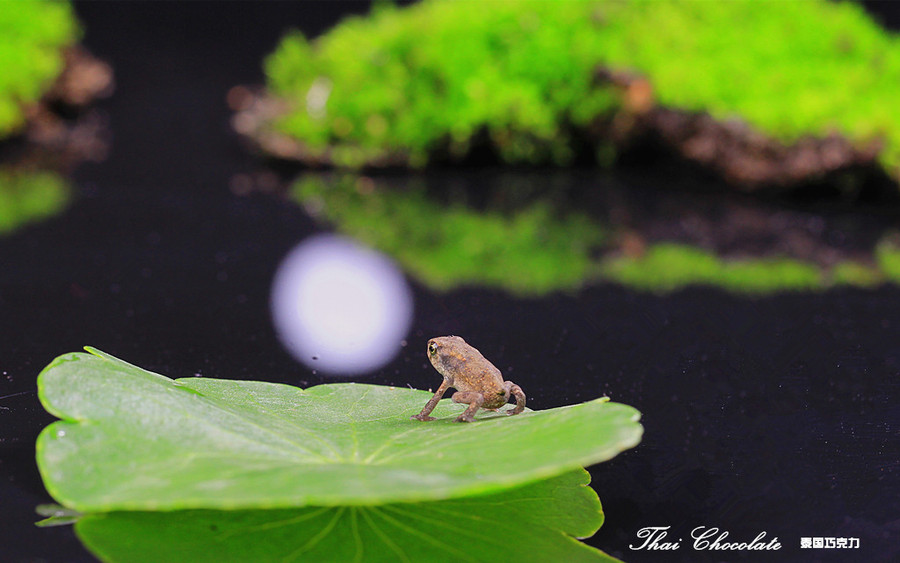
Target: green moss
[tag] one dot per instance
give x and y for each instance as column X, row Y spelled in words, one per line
column 789, row 69
column 428, row 78
column 529, row 251
column 33, row 33
column 28, row 197
column 667, row 267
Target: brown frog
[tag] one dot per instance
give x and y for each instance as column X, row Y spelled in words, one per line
column 479, row 384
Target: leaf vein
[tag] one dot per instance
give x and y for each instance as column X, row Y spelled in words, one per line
column 316, row 538
column 379, row 510
column 384, row 537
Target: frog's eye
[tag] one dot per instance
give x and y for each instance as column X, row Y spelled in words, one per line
column 432, row 348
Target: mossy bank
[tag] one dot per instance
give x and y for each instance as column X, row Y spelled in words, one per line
column 764, row 93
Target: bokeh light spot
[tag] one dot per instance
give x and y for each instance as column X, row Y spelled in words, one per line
column 339, row 307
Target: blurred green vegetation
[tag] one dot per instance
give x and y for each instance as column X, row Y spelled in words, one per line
column 29, row 196
column 858, row 274
column 530, row 251
column 887, row 254
column 32, row 36
column 540, row 244
column 428, row 79
column 667, row 267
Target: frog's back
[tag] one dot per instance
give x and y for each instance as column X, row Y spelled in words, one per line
column 491, row 387
column 476, row 373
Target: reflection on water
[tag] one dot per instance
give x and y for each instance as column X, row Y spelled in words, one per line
column 535, row 522
column 516, row 239
column 339, row 307
column 29, row 196
column 533, row 233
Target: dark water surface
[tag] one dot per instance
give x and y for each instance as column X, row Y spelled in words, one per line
column 776, row 414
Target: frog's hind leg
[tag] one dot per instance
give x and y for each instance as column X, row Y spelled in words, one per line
column 517, row 392
column 471, row 398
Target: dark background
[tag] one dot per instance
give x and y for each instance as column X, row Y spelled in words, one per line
column 776, row 414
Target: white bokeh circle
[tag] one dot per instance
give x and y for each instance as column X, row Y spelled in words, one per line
column 339, row 307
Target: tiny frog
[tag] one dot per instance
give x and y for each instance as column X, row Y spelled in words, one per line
column 479, row 384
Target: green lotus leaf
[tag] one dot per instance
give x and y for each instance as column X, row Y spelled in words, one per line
column 134, row 440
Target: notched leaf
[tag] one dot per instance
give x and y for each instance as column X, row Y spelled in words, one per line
column 134, row 440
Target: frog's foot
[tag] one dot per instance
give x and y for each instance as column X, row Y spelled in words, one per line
column 474, row 400
column 517, row 392
column 422, row 417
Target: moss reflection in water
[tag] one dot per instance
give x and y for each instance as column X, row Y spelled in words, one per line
column 529, row 251
column 667, row 267
column 540, row 246
column 888, row 256
column 858, row 275
column 29, row 196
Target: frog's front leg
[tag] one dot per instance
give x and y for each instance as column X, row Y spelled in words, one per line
column 473, row 399
column 429, row 406
column 517, row 392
